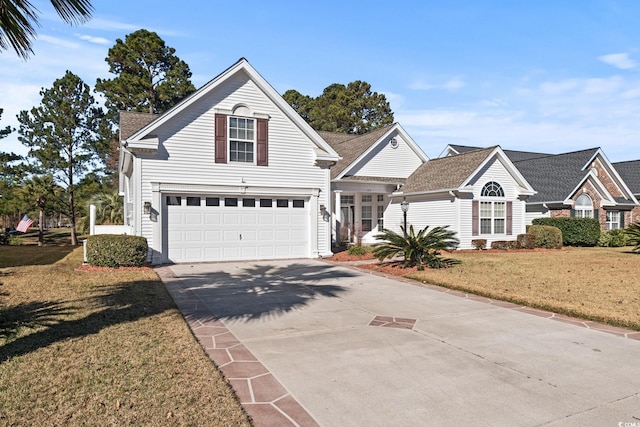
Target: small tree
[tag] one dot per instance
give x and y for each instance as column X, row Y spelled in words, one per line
column 419, row 249
column 63, row 135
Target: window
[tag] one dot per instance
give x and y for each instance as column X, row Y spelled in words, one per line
column 584, row 207
column 366, row 198
column 493, row 214
column 613, row 220
column 241, row 139
column 282, row 203
column 346, row 200
column 298, row 203
column 174, row 200
column 230, row 201
column 212, row 201
column 249, row 203
column 492, row 217
column 492, row 189
column 193, row 201
column 266, row 203
column 380, row 214
column 380, row 198
column 366, row 218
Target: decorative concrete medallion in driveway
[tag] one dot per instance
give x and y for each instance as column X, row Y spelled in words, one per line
column 306, row 343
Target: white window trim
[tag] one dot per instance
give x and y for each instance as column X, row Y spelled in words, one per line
column 493, row 200
column 616, row 221
column 253, row 142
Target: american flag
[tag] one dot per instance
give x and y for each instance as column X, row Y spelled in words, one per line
column 24, row 224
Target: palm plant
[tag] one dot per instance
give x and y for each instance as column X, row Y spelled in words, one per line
column 419, row 249
column 633, row 232
column 18, row 18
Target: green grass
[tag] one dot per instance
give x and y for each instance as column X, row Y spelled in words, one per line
column 100, row 348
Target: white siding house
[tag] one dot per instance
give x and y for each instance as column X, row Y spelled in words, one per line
column 372, row 166
column 479, row 195
column 230, row 173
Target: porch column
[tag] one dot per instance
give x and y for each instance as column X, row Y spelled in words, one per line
column 337, row 216
column 157, row 248
column 357, row 216
column 315, row 217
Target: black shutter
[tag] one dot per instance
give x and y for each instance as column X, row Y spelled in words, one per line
column 220, row 138
column 622, row 219
column 572, row 214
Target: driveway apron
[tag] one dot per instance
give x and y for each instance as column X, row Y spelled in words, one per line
column 305, row 342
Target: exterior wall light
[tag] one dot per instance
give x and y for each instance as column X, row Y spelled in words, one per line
column 146, row 208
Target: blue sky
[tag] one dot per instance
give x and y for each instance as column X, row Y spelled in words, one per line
column 551, row 76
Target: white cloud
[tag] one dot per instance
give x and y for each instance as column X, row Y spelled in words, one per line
column 452, row 84
column 619, row 60
column 92, row 39
column 551, row 116
column 57, row 41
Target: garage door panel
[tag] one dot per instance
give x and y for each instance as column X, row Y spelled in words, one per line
column 212, row 219
column 219, row 233
column 193, row 219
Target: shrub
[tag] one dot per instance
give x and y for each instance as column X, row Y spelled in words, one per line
column 546, row 236
column 613, row 238
column 108, row 250
column 500, row 244
column 479, row 244
column 575, row 231
column 418, row 249
column 513, row 244
column 14, row 241
column 633, row 236
column 526, row 241
column 358, row 250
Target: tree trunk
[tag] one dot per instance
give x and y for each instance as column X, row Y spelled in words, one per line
column 72, row 208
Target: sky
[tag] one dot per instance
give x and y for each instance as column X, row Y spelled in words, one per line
column 546, row 76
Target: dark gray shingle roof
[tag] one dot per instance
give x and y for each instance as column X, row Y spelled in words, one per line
column 554, row 177
column 445, row 173
column 630, row 174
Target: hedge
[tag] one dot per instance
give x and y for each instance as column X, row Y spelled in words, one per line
column 110, row 250
column 575, row 231
column 546, row 236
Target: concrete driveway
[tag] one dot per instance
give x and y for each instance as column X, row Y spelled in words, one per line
column 306, row 342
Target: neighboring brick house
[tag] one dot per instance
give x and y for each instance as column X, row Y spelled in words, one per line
column 630, row 173
column 580, row 183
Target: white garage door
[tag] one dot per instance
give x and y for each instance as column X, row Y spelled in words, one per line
column 211, row 228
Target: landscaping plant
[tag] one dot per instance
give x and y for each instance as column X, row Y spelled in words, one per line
column 633, row 234
column 575, row 231
column 419, row 250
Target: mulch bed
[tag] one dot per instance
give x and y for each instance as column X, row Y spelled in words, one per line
column 344, row 257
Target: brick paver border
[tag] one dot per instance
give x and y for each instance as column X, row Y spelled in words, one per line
column 261, row 395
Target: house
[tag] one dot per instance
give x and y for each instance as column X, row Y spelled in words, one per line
column 480, row 194
column 230, row 173
column 372, row 166
column 581, row 183
column 630, row 173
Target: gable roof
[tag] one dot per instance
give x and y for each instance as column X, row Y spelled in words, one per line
column 323, row 150
column 630, row 173
column 556, row 177
column 131, row 122
column 453, row 173
column 352, row 148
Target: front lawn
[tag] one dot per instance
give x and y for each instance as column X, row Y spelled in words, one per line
column 600, row 284
column 99, row 348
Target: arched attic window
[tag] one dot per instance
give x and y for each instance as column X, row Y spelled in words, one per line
column 492, row 189
column 584, row 207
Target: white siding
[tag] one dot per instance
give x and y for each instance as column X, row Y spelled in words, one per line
column 385, row 160
column 186, row 154
column 422, row 213
column 534, row 212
